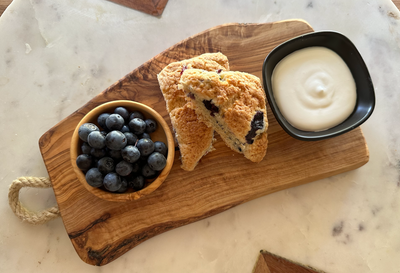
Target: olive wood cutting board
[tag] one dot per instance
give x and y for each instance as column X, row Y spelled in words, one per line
column 101, row 231
column 152, row 7
column 270, row 263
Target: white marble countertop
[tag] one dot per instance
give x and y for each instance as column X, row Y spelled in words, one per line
column 57, row 55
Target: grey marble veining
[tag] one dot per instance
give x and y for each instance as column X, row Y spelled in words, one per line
column 57, row 55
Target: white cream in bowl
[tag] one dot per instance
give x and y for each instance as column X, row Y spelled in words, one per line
column 314, row 89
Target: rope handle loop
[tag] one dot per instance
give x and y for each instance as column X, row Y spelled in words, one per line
column 34, row 218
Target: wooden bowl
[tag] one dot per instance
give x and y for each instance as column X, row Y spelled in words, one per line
column 163, row 133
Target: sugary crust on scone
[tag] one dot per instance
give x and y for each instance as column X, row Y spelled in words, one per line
column 194, row 137
column 256, row 151
column 170, row 76
column 237, row 97
column 191, row 134
column 218, row 57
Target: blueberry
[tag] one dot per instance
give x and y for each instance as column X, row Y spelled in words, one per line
column 95, row 160
column 122, row 112
column 137, row 126
column 94, row 178
column 136, row 114
column 86, row 148
column 115, row 122
column 101, row 120
column 112, row 182
column 123, row 168
column 85, row 129
column 161, row 148
column 130, row 153
column 151, row 126
column 96, row 140
column 124, row 185
column 99, row 153
column 131, row 138
column 145, row 146
column 191, row 95
column 145, row 135
column 257, row 123
column 125, row 129
column 157, row 161
column 211, row 106
column 148, row 172
column 142, row 161
column 137, row 183
column 114, row 154
column 84, row 162
column 115, row 140
column 105, row 165
column 135, row 168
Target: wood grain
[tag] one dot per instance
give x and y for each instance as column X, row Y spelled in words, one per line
column 261, row 265
column 271, row 263
column 396, row 3
column 152, row 7
column 102, row 231
column 3, row 5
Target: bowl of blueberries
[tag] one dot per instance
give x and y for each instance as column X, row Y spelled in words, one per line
column 122, row 150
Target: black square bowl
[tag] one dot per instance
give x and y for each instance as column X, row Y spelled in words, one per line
column 348, row 52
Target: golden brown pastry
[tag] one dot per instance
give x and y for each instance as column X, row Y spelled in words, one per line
column 234, row 105
column 193, row 136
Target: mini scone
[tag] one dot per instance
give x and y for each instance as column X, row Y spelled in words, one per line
column 234, row 105
column 194, row 138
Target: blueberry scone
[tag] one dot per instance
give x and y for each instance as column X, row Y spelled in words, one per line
column 194, row 138
column 234, row 105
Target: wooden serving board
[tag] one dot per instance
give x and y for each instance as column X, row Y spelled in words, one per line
column 102, row 231
column 271, row 263
column 152, row 7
